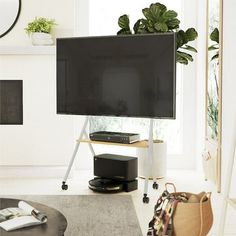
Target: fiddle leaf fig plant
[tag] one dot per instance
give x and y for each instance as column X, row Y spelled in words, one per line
column 158, row 19
column 123, row 22
column 214, row 36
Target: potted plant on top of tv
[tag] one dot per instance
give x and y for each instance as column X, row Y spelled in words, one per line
column 40, row 31
column 157, row 19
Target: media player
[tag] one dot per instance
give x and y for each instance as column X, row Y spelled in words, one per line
column 116, row 137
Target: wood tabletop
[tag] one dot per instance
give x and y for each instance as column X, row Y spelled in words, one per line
column 55, row 226
column 139, row 144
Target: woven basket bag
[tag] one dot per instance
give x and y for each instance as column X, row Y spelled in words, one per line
column 193, row 219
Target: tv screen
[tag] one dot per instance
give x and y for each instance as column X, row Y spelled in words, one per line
column 132, row 76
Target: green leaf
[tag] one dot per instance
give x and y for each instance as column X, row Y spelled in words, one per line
column 216, row 56
column 169, row 14
column 161, row 6
column 124, row 32
column 147, row 14
column 214, row 36
column 189, row 48
column 191, row 34
column 123, row 22
column 181, row 59
column 185, row 55
column 154, row 11
column 181, row 38
column 161, row 27
column 213, row 47
column 137, row 26
column 173, row 23
column 141, row 26
column 151, row 29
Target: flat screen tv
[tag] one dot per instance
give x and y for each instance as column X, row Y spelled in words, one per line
column 130, row 76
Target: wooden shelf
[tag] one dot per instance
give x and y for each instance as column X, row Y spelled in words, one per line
column 232, row 202
column 140, row 144
column 28, row 50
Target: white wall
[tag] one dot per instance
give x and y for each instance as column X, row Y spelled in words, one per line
column 200, row 82
column 47, row 149
column 60, row 10
column 229, row 84
column 45, row 139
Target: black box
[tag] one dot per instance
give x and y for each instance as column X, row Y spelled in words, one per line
column 117, row 167
column 116, row 137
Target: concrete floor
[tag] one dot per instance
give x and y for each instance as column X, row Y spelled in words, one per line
column 189, row 181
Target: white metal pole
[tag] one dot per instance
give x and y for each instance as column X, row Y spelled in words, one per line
column 75, row 150
column 149, row 157
column 87, row 137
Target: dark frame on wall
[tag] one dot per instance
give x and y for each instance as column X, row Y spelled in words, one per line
column 11, row 102
column 13, row 24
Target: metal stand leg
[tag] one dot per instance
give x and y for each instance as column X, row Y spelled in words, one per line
column 155, row 184
column 83, row 132
column 148, row 162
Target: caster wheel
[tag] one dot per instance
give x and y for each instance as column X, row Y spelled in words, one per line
column 145, row 199
column 155, row 185
column 64, row 186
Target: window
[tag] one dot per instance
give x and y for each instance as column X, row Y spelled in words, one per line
column 103, row 20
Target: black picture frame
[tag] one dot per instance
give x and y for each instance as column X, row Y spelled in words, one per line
column 13, row 24
column 11, row 102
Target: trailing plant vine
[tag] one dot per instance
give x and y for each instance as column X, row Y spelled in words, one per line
column 157, row 19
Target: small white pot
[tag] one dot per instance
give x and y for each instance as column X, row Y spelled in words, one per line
column 158, row 169
column 39, row 38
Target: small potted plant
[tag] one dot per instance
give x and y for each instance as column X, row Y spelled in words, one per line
column 40, row 31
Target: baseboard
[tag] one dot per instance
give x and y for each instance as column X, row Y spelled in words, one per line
column 33, row 172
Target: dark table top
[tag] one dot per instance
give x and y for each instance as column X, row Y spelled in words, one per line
column 56, row 224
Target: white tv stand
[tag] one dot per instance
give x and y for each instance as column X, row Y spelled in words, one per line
column 84, row 138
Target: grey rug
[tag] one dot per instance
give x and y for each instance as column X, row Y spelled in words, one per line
column 94, row 215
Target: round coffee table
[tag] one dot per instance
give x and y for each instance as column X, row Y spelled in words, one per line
column 55, row 226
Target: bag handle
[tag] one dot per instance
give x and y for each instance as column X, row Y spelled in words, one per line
column 171, row 184
column 208, row 196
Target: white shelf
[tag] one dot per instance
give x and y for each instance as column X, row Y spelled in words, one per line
column 27, row 50
column 139, row 144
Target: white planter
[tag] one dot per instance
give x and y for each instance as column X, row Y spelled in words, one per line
column 40, row 39
column 158, row 169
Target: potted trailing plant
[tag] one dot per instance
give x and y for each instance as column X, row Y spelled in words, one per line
column 157, row 19
column 40, row 31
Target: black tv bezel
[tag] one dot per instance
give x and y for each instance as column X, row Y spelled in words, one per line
column 133, row 35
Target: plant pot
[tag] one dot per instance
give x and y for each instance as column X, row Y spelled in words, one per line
column 40, row 39
column 159, row 160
